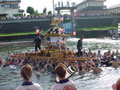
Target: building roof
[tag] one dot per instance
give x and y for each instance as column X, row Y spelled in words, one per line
column 10, row 0
column 94, row 0
column 21, row 10
column 84, row 1
column 115, row 6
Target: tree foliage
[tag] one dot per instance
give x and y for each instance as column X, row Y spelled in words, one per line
column 50, row 13
column 30, row 10
column 44, row 10
column 36, row 13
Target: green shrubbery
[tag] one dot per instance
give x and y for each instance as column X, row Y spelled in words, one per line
column 98, row 28
column 18, row 34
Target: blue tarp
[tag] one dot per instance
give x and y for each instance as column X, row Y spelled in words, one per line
column 68, row 27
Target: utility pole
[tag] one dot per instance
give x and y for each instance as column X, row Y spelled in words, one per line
column 53, row 8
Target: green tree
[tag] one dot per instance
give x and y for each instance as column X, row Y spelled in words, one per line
column 36, row 13
column 30, row 10
column 50, row 13
column 44, row 10
column 24, row 14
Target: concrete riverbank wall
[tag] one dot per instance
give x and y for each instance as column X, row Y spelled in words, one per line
column 14, row 38
column 93, row 34
column 18, row 26
column 29, row 25
column 97, row 21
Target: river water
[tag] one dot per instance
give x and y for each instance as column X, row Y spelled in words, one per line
column 10, row 79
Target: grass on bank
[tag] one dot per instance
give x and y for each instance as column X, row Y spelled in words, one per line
column 19, row 34
column 42, row 32
column 98, row 28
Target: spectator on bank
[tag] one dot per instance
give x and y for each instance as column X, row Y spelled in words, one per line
column 63, row 84
column 26, row 74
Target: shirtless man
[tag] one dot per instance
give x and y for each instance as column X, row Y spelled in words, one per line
column 1, row 63
column 96, row 69
column 115, row 63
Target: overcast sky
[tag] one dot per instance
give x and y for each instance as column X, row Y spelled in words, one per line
column 41, row 4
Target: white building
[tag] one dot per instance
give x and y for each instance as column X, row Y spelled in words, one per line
column 92, row 7
column 115, row 9
column 9, row 7
column 91, row 4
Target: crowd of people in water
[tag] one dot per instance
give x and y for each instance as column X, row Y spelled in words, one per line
column 97, row 60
